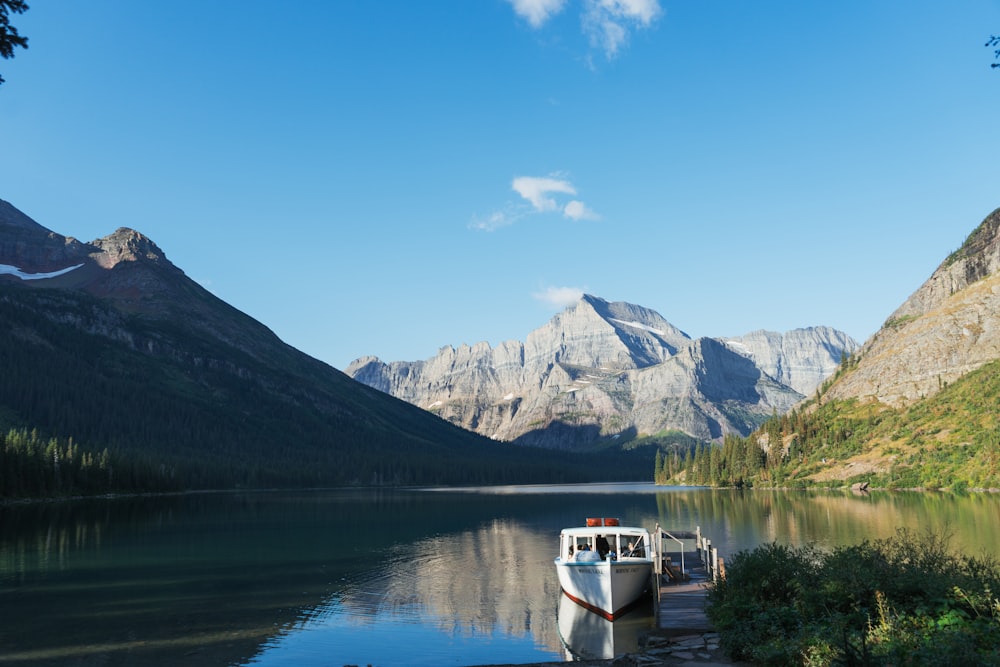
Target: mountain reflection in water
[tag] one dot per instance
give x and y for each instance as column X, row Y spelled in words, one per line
column 375, row 577
column 442, row 597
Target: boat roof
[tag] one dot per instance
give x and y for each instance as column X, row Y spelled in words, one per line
column 604, row 530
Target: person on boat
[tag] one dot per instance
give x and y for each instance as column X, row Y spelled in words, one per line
column 603, row 548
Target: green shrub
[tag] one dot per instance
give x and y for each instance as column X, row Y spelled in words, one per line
column 754, row 607
column 902, row 600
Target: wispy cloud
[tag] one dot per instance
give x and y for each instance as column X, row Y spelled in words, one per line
column 606, row 23
column 560, row 297
column 537, row 12
column 540, row 194
column 498, row 219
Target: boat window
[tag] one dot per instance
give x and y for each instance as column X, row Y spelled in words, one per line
column 635, row 546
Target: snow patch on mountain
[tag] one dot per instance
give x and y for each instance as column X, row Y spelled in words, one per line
column 639, row 325
column 7, row 269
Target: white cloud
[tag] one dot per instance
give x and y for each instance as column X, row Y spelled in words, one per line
column 537, row 12
column 559, row 297
column 608, row 23
column 540, row 194
column 539, row 191
column 536, row 190
column 643, row 11
column 607, row 35
column 577, row 210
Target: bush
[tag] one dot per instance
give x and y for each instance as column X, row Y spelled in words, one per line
column 902, row 600
column 755, row 608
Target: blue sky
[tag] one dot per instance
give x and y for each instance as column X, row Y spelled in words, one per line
column 389, row 177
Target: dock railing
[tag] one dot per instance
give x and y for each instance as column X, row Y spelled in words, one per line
column 708, row 554
column 710, row 557
column 660, row 534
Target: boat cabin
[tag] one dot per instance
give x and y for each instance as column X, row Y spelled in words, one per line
column 603, row 539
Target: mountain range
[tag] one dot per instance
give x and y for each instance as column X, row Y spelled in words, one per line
column 601, row 372
column 107, row 345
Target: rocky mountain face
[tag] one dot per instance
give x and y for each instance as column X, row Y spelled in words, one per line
column 602, row 370
column 801, row 358
column 947, row 328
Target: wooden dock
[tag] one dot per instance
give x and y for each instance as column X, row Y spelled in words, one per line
column 682, row 589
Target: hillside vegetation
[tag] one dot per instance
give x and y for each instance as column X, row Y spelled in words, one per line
column 950, row 440
column 93, row 400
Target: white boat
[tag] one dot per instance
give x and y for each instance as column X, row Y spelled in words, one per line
column 605, row 567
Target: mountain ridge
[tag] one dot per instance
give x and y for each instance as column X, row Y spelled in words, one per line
column 942, row 331
column 601, row 371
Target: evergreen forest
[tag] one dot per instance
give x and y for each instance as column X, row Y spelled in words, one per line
column 93, row 400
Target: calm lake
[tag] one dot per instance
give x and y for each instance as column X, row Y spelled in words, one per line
column 382, row 578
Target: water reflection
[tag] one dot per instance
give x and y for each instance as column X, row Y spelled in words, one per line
column 365, row 577
column 743, row 519
column 589, row 636
column 491, row 585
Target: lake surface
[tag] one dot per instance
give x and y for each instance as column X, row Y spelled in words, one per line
column 382, row 578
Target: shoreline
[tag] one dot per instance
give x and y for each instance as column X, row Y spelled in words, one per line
column 188, row 492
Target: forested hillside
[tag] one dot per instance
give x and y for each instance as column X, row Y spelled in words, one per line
column 100, row 400
column 950, row 440
column 110, row 416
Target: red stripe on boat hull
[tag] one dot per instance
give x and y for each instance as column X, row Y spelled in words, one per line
column 601, row 612
column 590, row 607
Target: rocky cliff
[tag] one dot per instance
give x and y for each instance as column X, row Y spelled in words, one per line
column 610, row 370
column 801, row 358
column 947, row 328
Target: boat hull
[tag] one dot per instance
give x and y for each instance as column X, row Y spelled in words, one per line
column 609, row 587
